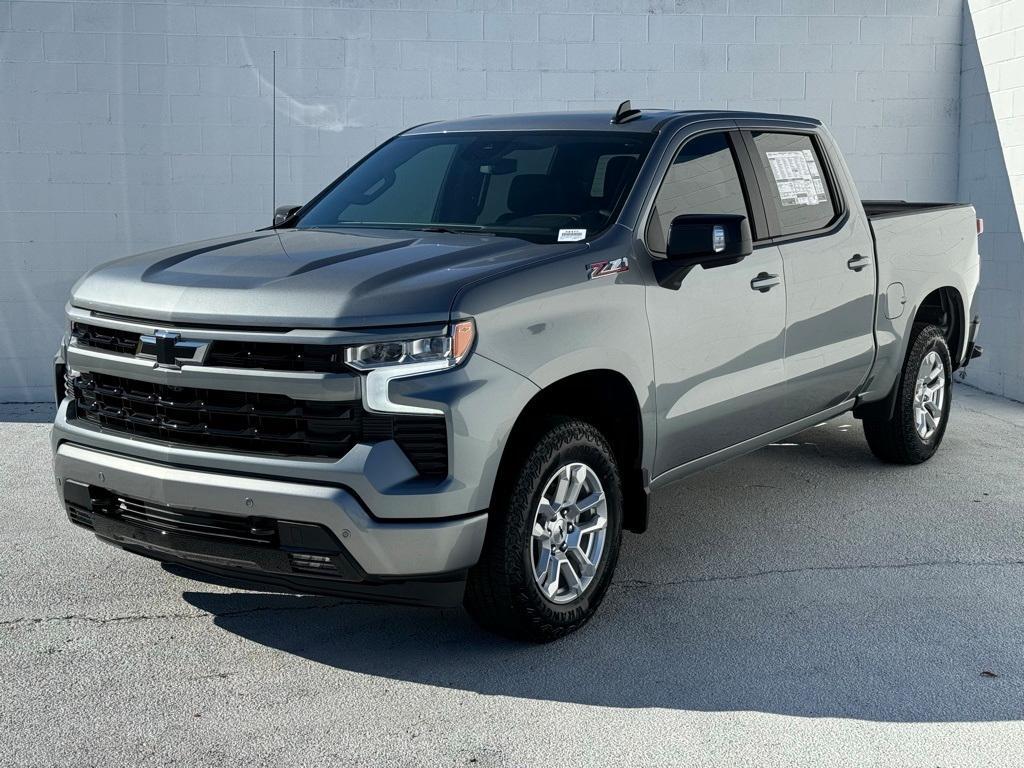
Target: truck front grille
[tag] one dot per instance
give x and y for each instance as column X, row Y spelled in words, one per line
column 267, row 356
column 105, row 339
column 252, row 422
column 262, row 355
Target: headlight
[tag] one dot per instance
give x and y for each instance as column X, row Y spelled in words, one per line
column 447, row 350
column 386, row 361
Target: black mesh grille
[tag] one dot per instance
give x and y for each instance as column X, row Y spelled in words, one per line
column 273, row 356
column 425, row 442
column 251, row 530
column 105, row 339
column 252, row 422
column 261, row 355
column 79, row 516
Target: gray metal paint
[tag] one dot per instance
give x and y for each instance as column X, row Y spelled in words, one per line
column 381, row 549
column 830, row 343
column 713, row 367
column 719, row 358
column 747, row 446
column 719, row 346
column 895, row 300
column 548, row 322
column 924, row 251
column 378, row 474
column 303, row 278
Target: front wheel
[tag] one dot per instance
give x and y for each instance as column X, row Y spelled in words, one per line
column 918, row 422
column 552, row 543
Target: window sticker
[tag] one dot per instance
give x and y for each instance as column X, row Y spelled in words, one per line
column 797, row 177
column 571, row 235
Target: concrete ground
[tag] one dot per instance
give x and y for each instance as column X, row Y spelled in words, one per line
column 805, row 605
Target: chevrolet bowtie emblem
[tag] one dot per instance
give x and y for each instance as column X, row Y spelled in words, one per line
column 168, row 349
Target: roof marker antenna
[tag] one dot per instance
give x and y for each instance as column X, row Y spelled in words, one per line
column 273, row 131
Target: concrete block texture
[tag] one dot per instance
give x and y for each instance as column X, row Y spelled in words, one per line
column 149, row 122
column 991, row 175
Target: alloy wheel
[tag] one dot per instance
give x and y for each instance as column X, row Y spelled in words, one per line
column 568, row 535
column 929, row 395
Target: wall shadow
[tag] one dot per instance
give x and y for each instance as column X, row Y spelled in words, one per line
column 778, row 583
column 28, row 413
column 986, row 165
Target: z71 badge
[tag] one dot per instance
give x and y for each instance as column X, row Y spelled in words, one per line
column 605, row 268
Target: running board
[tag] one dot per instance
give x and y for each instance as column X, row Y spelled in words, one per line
column 747, row 446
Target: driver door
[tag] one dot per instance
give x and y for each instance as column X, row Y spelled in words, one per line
column 719, row 340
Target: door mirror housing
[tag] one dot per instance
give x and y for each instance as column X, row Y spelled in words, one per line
column 284, row 212
column 706, row 239
column 711, row 240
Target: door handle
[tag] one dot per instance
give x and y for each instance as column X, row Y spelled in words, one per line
column 858, row 262
column 764, row 282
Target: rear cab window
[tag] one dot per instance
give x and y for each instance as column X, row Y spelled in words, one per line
column 795, row 182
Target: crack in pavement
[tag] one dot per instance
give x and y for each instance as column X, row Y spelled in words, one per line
column 625, row 584
column 32, row 620
column 644, row 584
column 994, row 417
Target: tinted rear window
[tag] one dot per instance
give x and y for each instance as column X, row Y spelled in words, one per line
column 796, row 181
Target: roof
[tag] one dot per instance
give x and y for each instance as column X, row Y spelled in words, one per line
column 649, row 120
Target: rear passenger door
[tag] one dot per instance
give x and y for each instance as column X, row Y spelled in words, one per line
column 828, row 257
column 719, row 337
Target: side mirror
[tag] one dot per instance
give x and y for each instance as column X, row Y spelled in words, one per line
column 284, row 212
column 708, row 240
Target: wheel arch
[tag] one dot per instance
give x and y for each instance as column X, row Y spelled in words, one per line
column 943, row 307
column 604, row 398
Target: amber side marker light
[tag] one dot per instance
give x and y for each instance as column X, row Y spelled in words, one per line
column 463, row 335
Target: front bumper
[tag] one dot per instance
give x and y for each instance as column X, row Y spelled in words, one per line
column 421, row 562
column 379, row 474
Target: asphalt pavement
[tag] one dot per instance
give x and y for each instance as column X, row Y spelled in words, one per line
column 802, row 606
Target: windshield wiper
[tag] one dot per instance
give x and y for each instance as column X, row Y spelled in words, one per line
column 450, row 229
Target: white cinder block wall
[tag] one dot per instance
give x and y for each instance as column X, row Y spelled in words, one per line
column 130, row 125
column 992, row 177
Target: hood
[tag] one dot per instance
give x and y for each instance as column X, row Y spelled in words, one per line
column 304, row 278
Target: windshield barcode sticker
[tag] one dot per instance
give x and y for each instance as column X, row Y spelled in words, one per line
column 571, row 235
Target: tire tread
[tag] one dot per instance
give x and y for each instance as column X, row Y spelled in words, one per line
column 500, row 594
column 895, row 440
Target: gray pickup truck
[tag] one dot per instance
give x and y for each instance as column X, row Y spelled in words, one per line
column 458, row 373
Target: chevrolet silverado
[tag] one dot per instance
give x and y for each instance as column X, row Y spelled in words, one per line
column 458, row 373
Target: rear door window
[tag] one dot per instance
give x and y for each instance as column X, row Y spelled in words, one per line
column 796, row 183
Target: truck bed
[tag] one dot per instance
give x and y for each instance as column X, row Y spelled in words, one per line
column 877, row 209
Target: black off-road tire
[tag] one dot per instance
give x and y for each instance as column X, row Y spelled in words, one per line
column 501, row 593
column 896, row 440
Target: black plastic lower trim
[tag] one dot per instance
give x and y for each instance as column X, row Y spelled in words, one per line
column 259, row 567
column 443, row 591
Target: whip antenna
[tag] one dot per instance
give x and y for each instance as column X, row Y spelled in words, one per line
column 273, row 132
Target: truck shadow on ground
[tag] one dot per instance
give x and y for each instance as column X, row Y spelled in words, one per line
column 777, row 583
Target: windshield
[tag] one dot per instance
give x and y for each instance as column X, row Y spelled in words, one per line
column 546, row 187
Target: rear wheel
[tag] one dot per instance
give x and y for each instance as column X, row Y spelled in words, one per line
column 918, row 422
column 553, row 541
